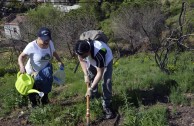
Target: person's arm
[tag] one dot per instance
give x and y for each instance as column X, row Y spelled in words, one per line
column 55, row 54
column 98, row 77
column 83, row 66
column 21, row 59
column 100, row 63
column 84, row 69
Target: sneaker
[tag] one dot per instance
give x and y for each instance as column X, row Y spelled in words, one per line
column 108, row 114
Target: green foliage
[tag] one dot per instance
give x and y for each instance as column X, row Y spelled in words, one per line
column 44, row 15
column 140, row 2
column 153, row 116
column 106, row 27
column 183, row 71
column 15, row 4
column 101, row 12
column 130, row 117
column 146, row 116
column 143, row 64
column 4, row 71
column 55, row 115
column 137, row 82
column 173, row 10
column 92, row 7
column 173, row 7
column 41, row 115
column 7, row 65
column 177, row 97
column 106, row 8
column 10, row 97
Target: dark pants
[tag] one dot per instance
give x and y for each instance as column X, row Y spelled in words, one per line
column 106, row 83
column 36, row 100
column 43, row 83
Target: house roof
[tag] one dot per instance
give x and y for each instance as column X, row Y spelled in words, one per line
column 15, row 21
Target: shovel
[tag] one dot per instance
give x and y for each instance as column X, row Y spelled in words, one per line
column 87, row 108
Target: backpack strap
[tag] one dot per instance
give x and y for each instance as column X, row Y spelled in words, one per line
column 50, row 52
column 91, row 42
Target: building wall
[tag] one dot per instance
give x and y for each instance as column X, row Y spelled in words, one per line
column 65, row 8
column 12, row 31
column 60, row 2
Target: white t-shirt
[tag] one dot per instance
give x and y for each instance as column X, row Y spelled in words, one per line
column 38, row 57
column 101, row 58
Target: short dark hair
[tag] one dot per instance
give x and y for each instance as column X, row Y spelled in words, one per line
column 81, row 47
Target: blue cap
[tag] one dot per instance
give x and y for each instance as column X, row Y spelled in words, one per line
column 44, row 34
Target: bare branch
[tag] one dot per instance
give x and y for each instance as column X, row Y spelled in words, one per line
column 180, row 22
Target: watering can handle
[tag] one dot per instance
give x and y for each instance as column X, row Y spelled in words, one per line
column 18, row 74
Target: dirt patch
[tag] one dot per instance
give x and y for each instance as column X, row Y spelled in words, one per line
column 16, row 118
column 109, row 122
column 178, row 116
column 181, row 115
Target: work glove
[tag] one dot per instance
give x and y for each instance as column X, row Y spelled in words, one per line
column 88, row 92
column 61, row 65
column 86, row 79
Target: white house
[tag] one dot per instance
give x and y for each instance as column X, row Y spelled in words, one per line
column 21, row 0
column 12, row 29
column 59, row 1
column 65, row 8
column 43, row 1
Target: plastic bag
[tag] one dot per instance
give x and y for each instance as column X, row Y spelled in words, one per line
column 59, row 76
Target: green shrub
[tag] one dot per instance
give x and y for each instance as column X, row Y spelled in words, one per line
column 177, row 97
column 11, row 98
column 40, row 115
column 153, row 116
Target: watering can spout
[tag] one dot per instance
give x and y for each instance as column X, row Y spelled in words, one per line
column 41, row 94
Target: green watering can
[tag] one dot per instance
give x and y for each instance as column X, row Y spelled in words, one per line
column 25, row 83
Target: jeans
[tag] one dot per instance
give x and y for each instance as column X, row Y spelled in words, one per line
column 106, row 83
column 43, row 83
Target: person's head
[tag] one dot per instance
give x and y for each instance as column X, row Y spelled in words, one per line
column 44, row 34
column 82, row 48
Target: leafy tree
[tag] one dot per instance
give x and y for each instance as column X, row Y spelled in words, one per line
column 44, row 15
column 92, row 6
column 73, row 24
column 65, row 27
column 135, row 25
column 144, row 26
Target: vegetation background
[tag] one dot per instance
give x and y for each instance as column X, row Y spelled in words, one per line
column 153, row 75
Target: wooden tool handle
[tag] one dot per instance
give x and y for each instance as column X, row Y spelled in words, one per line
column 88, row 108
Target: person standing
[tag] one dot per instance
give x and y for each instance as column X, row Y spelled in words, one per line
column 40, row 53
column 96, row 61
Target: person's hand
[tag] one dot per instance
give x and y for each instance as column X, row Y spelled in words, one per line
column 61, row 64
column 86, row 79
column 22, row 70
column 88, row 92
